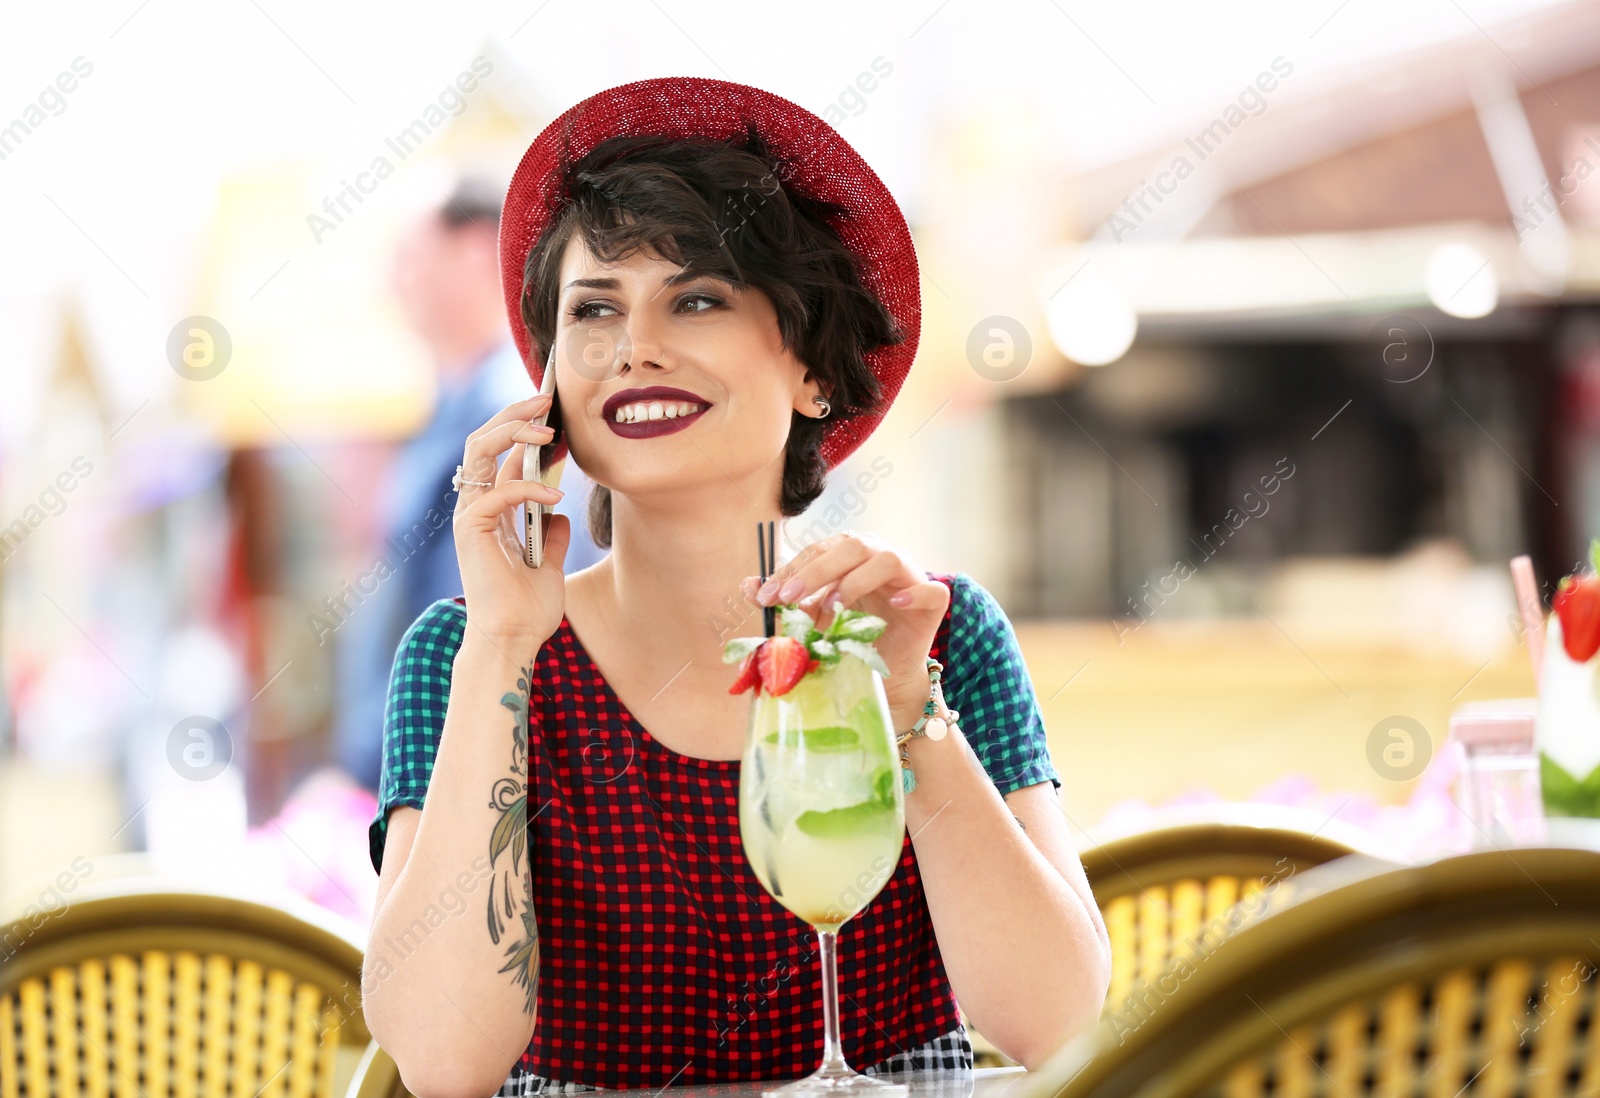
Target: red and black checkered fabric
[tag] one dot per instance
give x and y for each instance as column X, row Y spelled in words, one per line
column 663, row 959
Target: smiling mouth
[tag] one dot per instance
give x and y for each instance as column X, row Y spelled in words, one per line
column 648, row 418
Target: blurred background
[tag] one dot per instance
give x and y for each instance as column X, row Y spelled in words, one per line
column 1257, row 339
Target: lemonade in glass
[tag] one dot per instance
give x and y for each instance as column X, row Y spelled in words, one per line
column 821, row 804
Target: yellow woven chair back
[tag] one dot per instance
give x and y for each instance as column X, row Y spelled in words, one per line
column 1171, row 891
column 141, row 989
column 1471, row 975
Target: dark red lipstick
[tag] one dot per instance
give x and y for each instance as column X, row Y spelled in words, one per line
column 641, row 398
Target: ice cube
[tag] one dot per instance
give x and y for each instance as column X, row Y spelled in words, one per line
column 837, row 780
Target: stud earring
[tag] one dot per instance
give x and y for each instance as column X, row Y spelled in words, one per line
column 826, row 407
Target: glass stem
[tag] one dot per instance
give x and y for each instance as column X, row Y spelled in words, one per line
column 832, row 1053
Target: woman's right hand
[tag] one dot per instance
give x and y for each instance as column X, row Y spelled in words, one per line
column 513, row 604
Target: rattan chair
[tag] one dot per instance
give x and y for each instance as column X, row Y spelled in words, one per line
column 1475, row 973
column 1173, row 882
column 1164, row 888
column 143, row 988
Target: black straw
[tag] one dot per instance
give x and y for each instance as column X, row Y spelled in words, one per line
column 767, row 552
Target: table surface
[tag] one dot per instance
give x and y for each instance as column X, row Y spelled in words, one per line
column 978, row 1083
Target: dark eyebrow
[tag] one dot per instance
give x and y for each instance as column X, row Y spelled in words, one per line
column 683, row 275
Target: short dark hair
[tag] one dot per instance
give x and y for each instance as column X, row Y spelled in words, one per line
column 473, row 200
column 724, row 208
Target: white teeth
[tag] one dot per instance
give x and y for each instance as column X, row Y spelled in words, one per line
column 640, row 411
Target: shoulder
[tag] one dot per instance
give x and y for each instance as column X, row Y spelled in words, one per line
column 986, row 680
column 969, row 599
column 434, row 635
column 419, row 684
column 975, row 616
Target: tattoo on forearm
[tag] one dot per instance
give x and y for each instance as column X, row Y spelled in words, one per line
column 509, row 798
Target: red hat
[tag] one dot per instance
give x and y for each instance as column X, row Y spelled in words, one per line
column 820, row 164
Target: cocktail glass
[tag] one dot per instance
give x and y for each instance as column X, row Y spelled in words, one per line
column 822, row 817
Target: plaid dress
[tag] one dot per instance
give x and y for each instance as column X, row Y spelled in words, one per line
column 663, row 961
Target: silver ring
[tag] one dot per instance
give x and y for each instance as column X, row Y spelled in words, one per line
column 826, row 407
column 456, row 481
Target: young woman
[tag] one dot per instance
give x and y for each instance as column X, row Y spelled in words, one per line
column 731, row 298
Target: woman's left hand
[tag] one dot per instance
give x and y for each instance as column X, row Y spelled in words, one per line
column 860, row 572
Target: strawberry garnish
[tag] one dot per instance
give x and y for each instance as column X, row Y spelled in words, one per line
column 1577, row 605
column 782, row 663
column 748, row 675
column 778, row 663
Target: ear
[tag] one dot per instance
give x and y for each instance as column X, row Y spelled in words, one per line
column 809, row 388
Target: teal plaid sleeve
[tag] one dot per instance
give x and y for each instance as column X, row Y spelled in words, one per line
column 413, row 716
column 986, row 681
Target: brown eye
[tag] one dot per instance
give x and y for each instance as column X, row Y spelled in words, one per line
column 587, row 310
column 701, row 301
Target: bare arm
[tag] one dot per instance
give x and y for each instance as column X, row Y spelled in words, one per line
column 1023, row 942
column 452, row 966
column 451, row 974
column 1022, row 939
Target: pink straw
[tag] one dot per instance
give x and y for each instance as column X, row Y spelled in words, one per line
column 1532, row 612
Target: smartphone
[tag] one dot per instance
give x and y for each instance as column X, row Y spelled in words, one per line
column 536, row 516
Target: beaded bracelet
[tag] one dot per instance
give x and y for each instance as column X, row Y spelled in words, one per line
column 935, row 722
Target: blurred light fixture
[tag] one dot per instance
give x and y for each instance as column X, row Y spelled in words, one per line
column 1461, row 281
column 1091, row 323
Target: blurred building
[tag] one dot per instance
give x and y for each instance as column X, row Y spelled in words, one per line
column 1383, row 280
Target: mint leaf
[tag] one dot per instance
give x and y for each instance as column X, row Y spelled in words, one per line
column 856, row 625
column 843, row 823
column 739, row 647
column 1594, row 553
column 796, row 623
column 883, row 783
column 866, row 654
column 824, row 650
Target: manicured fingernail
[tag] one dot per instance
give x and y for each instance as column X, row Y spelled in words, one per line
column 836, row 602
column 902, row 598
column 791, row 590
column 768, row 591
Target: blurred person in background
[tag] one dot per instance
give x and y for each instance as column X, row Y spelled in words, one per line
column 446, row 276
